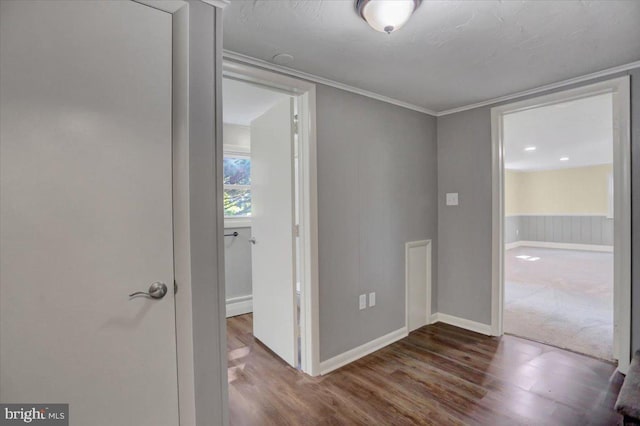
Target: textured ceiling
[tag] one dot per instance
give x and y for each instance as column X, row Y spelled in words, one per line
column 581, row 130
column 450, row 54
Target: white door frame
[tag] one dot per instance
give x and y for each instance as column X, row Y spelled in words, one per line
column 305, row 93
column 179, row 11
column 619, row 88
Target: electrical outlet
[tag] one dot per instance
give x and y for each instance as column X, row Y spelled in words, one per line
column 363, row 301
column 372, row 299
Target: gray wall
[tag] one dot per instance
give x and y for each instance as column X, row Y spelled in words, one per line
column 464, row 249
column 594, row 230
column 207, row 254
column 377, row 190
column 237, row 263
column 464, row 231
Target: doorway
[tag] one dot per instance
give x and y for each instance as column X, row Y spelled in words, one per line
column 270, row 236
column 261, row 247
column 561, row 217
column 559, row 225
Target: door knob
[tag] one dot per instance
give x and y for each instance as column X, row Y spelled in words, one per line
column 157, row 290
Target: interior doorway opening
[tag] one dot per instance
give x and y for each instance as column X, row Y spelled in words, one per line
column 561, row 220
column 261, row 209
column 270, row 229
column 558, row 265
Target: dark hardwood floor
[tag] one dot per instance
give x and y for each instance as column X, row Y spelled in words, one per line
column 439, row 375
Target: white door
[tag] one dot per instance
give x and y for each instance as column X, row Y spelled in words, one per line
column 272, row 255
column 86, row 210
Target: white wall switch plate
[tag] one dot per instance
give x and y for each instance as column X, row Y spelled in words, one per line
column 372, row 299
column 363, row 301
column 452, row 198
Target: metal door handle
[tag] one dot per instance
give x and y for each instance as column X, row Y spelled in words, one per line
column 252, row 240
column 157, row 290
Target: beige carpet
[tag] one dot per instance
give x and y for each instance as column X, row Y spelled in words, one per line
column 561, row 297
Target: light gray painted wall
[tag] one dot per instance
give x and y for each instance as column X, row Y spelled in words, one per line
column 464, row 249
column 237, row 135
column 237, row 263
column 464, row 243
column 596, row 230
column 377, row 190
column 207, row 255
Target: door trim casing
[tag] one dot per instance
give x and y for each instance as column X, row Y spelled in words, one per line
column 308, row 196
column 179, row 11
column 620, row 89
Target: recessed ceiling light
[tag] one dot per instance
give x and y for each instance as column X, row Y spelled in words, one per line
column 386, row 16
column 530, row 148
column 564, row 158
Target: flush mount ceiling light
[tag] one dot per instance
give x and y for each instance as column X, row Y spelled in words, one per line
column 530, row 148
column 386, row 16
column 564, row 158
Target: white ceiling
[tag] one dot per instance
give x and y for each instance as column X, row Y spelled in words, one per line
column 581, row 130
column 243, row 102
column 450, row 54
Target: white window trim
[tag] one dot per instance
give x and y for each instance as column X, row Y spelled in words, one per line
column 236, row 150
column 241, row 152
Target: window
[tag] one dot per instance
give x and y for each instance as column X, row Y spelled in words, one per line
column 237, row 185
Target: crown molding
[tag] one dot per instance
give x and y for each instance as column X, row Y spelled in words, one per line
column 564, row 83
column 221, row 4
column 238, row 57
column 169, row 6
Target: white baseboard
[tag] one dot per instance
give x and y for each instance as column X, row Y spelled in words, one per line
column 239, row 305
column 462, row 323
column 361, row 351
column 561, row 246
column 515, row 244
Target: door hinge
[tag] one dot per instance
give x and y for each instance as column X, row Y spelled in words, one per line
column 295, row 124
column 175, row 287
column 296, row 230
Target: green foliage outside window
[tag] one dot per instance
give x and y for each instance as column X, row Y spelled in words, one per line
column 237, row 186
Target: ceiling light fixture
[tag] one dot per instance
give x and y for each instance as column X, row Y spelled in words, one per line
column 530, row 148
column 564, row 158
column 386, row 16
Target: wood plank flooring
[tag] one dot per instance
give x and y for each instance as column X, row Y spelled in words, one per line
column 439, row 375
